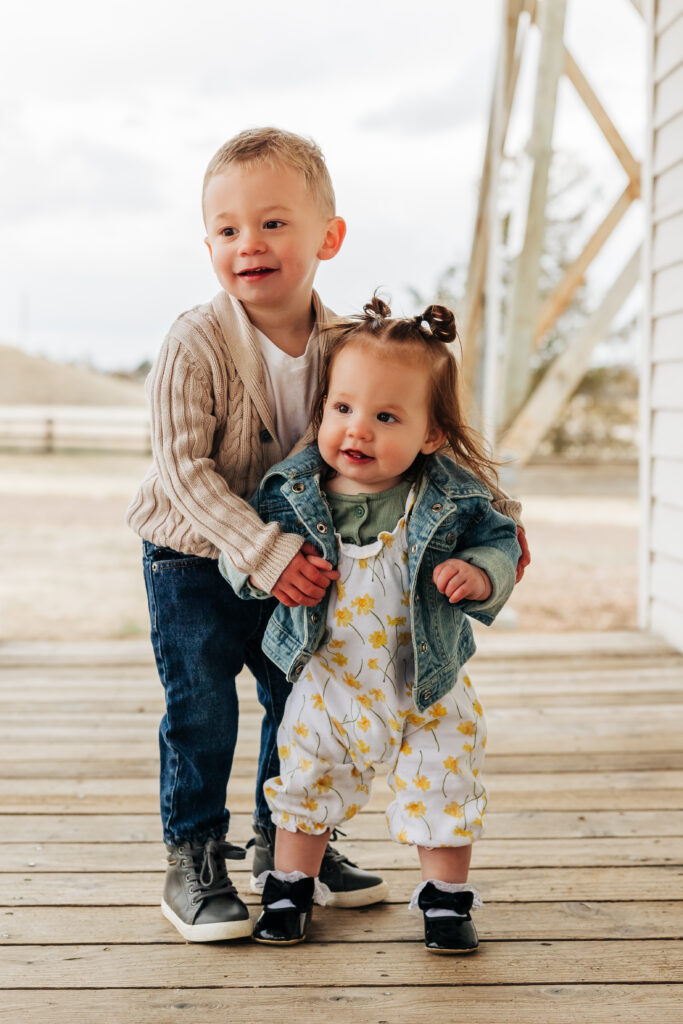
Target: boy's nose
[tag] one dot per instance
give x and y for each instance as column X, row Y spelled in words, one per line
column 251, row 241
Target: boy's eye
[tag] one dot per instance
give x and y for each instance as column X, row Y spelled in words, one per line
column 272, row 224
column 386, row 417
column 228, row 232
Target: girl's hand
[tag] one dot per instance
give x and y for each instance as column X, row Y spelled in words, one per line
column 305, row 579
column 459, row 580
column 525, row 557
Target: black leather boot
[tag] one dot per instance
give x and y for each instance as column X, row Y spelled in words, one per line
column 349, row 885
column 199, row 898
column 284, row 926
column 455, row 934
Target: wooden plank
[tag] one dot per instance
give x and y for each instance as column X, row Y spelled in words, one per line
column 394, row 922
column 666, row 294
column 667, row 435
column 372, row 1004
column 667, row 12
column 348, row 964
column 667, row 243
column 667, row 386
column 668, row 144
column 668, row 49
column 667, row 581
column 143, row 888
column 668, row 94
column 667, row 531
column 667, row 621
column 667, row 337
column 373, row 854
column 667, row 192
column 667, row 481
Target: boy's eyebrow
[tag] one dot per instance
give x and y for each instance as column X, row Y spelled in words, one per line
column 226, row 215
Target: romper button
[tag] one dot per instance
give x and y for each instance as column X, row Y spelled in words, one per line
column 298, row 670
column 359, row 511
column 314, row 618
column 423, row 646
column 414, row 549
column 298, row 487
column 321, row 528
column 450, row 537
column 437, row 507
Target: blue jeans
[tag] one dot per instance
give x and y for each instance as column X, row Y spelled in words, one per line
column 203, row 635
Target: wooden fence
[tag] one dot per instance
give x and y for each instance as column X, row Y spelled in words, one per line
column 51, row 428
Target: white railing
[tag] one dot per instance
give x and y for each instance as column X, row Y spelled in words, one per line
column 50, row 428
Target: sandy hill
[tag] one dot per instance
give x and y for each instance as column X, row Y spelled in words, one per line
column 32, row 380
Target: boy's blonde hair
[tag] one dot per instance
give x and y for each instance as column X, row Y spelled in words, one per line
column 275, row 146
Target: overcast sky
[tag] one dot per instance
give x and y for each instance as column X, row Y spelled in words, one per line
column 109, row 115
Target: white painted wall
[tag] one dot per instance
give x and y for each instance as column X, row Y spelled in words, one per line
column 661, row 555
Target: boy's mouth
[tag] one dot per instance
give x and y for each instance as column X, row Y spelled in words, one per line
column 355, row 456
column 255, row 272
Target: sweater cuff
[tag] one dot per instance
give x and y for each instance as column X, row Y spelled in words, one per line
column 275, row 560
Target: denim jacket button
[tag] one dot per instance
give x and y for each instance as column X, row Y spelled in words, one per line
column 427, row 695
column 437, row 507
column 298, row 487
column 315, row 618
column 423, row 646
column 298, row 670
column 321, row 527
column 450, row 538
column 414, row 549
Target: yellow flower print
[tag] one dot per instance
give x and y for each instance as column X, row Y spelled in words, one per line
column 363, row 747
column 270, row 792
column 355, row 774
column 387, row 538
column 309, row 677
column 378, row 638
column 283, row 753
column 438, row 711
column 400, row 784
column 334, row 645
column 363, row 723
column 415, row 719
column 318, row 702
column 402, row 836
column 406, row 748
column 338, row 726
column 303, row 826
column 465, row 832
column 451, row 763
column 339, row 658
column 351, row 681
column 364, row 604
column 278, row 780
column 468, row 748
column 433, row 724
column 467, row 728
column 453, row 809
column 373, row 663
column 484, row 742
column 395, row 724
column 343, row 616
column 422, row 782
column 310, row 804
column 402, row 714
column 404, row 557
column 319, row 826
column 351, row 810
column 400, row 620
column 404, row 639
column 475, row 772
column 415, row 809
column 362, row 788
column 406, row 598
column 393, row 742
column 362, row 563
column 341, row 590
column 477, row 821
column 364, row 700
column 301, row 729
column 323, row 784
column 477, row 707
column 304, row 764
column 379, row 695
column 467, row 681
column 285, row 817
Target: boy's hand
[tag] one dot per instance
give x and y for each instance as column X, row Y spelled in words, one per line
column 305, row 579
column 459, row 580
column 525, row 557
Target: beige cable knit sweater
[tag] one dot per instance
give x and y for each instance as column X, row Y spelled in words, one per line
column 213, row 438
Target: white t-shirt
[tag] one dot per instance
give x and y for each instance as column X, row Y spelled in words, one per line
column 291, row 383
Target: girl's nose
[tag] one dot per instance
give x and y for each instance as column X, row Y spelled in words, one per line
column 359, row 428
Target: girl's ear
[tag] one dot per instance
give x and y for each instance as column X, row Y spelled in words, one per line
column 434, row 439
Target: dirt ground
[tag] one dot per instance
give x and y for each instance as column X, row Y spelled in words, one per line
column 71, row 568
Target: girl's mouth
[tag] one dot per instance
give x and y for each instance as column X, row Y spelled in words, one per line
column 355, row 456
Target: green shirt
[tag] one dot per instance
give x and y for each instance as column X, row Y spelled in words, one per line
column 360, row 518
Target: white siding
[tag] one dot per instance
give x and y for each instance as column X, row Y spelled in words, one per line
column 662, row 385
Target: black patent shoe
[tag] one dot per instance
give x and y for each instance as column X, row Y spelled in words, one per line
column 349, row 885
column 448, row 934
column 284, row 926
column 199, row 898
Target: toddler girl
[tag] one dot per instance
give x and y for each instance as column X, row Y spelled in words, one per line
column 377, row 665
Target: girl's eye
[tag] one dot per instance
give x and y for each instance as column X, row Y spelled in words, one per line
column 386, row 417
column 341, row 407
column 272, row 224
column 228, row 232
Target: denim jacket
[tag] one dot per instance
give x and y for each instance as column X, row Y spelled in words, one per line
column 451, row 517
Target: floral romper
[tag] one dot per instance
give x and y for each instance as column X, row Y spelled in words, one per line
column 353, row 708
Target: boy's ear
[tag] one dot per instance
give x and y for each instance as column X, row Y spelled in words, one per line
column 207, row 243
column 335, row 232
column 435, row 438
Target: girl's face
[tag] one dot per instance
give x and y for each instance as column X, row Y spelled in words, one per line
column 376, row 420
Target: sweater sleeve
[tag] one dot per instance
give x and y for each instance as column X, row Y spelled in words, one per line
column 183, row 427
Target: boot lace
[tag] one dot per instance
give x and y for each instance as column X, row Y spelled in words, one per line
column 205, row 868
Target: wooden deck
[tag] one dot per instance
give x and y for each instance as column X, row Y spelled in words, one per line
column 580, row 870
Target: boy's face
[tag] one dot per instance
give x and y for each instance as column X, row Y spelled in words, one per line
column 376, row 420
column 266, row 233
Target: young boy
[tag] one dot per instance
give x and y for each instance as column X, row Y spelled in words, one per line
column 230, row 394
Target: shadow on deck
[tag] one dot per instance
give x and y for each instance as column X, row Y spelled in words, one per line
column 580, row 870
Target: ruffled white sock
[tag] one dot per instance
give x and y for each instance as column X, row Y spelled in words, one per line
column 446, row 887
column 321, row 893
